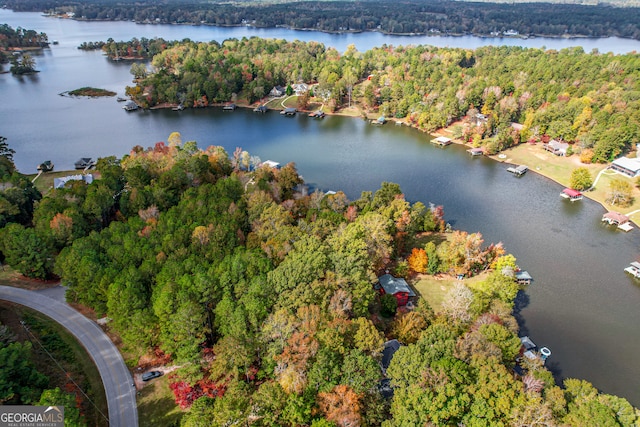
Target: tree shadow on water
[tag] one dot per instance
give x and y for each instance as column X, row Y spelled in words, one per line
column 521, row 301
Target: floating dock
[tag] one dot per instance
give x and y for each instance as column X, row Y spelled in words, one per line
column 518, row 170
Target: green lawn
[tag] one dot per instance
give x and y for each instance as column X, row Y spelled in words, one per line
column 434, row 289
column 156, row 406
column 559, row 169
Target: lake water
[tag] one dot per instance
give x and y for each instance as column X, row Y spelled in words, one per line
column 581, row 304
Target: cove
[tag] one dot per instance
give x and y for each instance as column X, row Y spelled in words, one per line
column 581, row 304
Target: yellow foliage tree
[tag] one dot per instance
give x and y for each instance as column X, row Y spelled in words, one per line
column 418, row 260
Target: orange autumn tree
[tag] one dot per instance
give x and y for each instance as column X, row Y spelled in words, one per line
column 418, row 260
column 341, row 405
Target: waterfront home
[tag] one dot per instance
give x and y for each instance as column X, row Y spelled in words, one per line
column 60, row 182
column 556, row 147
column 271, row 164
column 571, row 194
column 626, row 166
column 396, row 286
column 300, row 88
column 277, row 92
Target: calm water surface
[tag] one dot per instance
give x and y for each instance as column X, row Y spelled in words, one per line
column 581, row 304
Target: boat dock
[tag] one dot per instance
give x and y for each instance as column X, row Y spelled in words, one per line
column 229, row 107
column 634, row 269
column 317, row 114
column 475, row 151
column 571, row 194
column 616, row 218
column 130, row 106
column 442, row 141
column 530, row 350
column 523, row 278
column 518, row 170
column 291, row 111
column 260, row 109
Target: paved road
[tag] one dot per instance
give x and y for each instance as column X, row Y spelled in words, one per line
column 121, row 395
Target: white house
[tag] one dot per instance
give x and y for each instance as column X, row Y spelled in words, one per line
column 626, row 166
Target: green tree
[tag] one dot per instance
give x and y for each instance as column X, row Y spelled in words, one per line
column 56, row 397
column 7, row 167
column 581, row 179
column 26, row 252
column 20, row 382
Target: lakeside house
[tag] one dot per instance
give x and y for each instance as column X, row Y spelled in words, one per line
column 60, row 182
column 626, row 166
column 556, row 147
column 277, row 92
column 270, row 164
column 396, row 286
column 300, row 88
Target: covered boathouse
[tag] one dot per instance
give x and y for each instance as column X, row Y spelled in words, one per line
column 616, row 218
column 571, row 194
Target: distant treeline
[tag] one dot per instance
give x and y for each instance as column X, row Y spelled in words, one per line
column 438, row 17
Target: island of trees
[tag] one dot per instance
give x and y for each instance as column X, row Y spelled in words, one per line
column 93, row 92
column 501, row 95
column 411, row 17
column 263, row 294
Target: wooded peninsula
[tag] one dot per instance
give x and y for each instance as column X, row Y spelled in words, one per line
column 506, row 95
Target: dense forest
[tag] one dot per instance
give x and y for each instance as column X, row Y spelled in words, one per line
column 590, row 100
column 438, row 17
column 264, row 294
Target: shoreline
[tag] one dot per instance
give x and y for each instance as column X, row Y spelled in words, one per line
column 356, row 112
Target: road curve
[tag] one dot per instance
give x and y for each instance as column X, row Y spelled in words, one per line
column 117, row 380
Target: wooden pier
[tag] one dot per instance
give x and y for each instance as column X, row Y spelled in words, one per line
column 518, row 170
